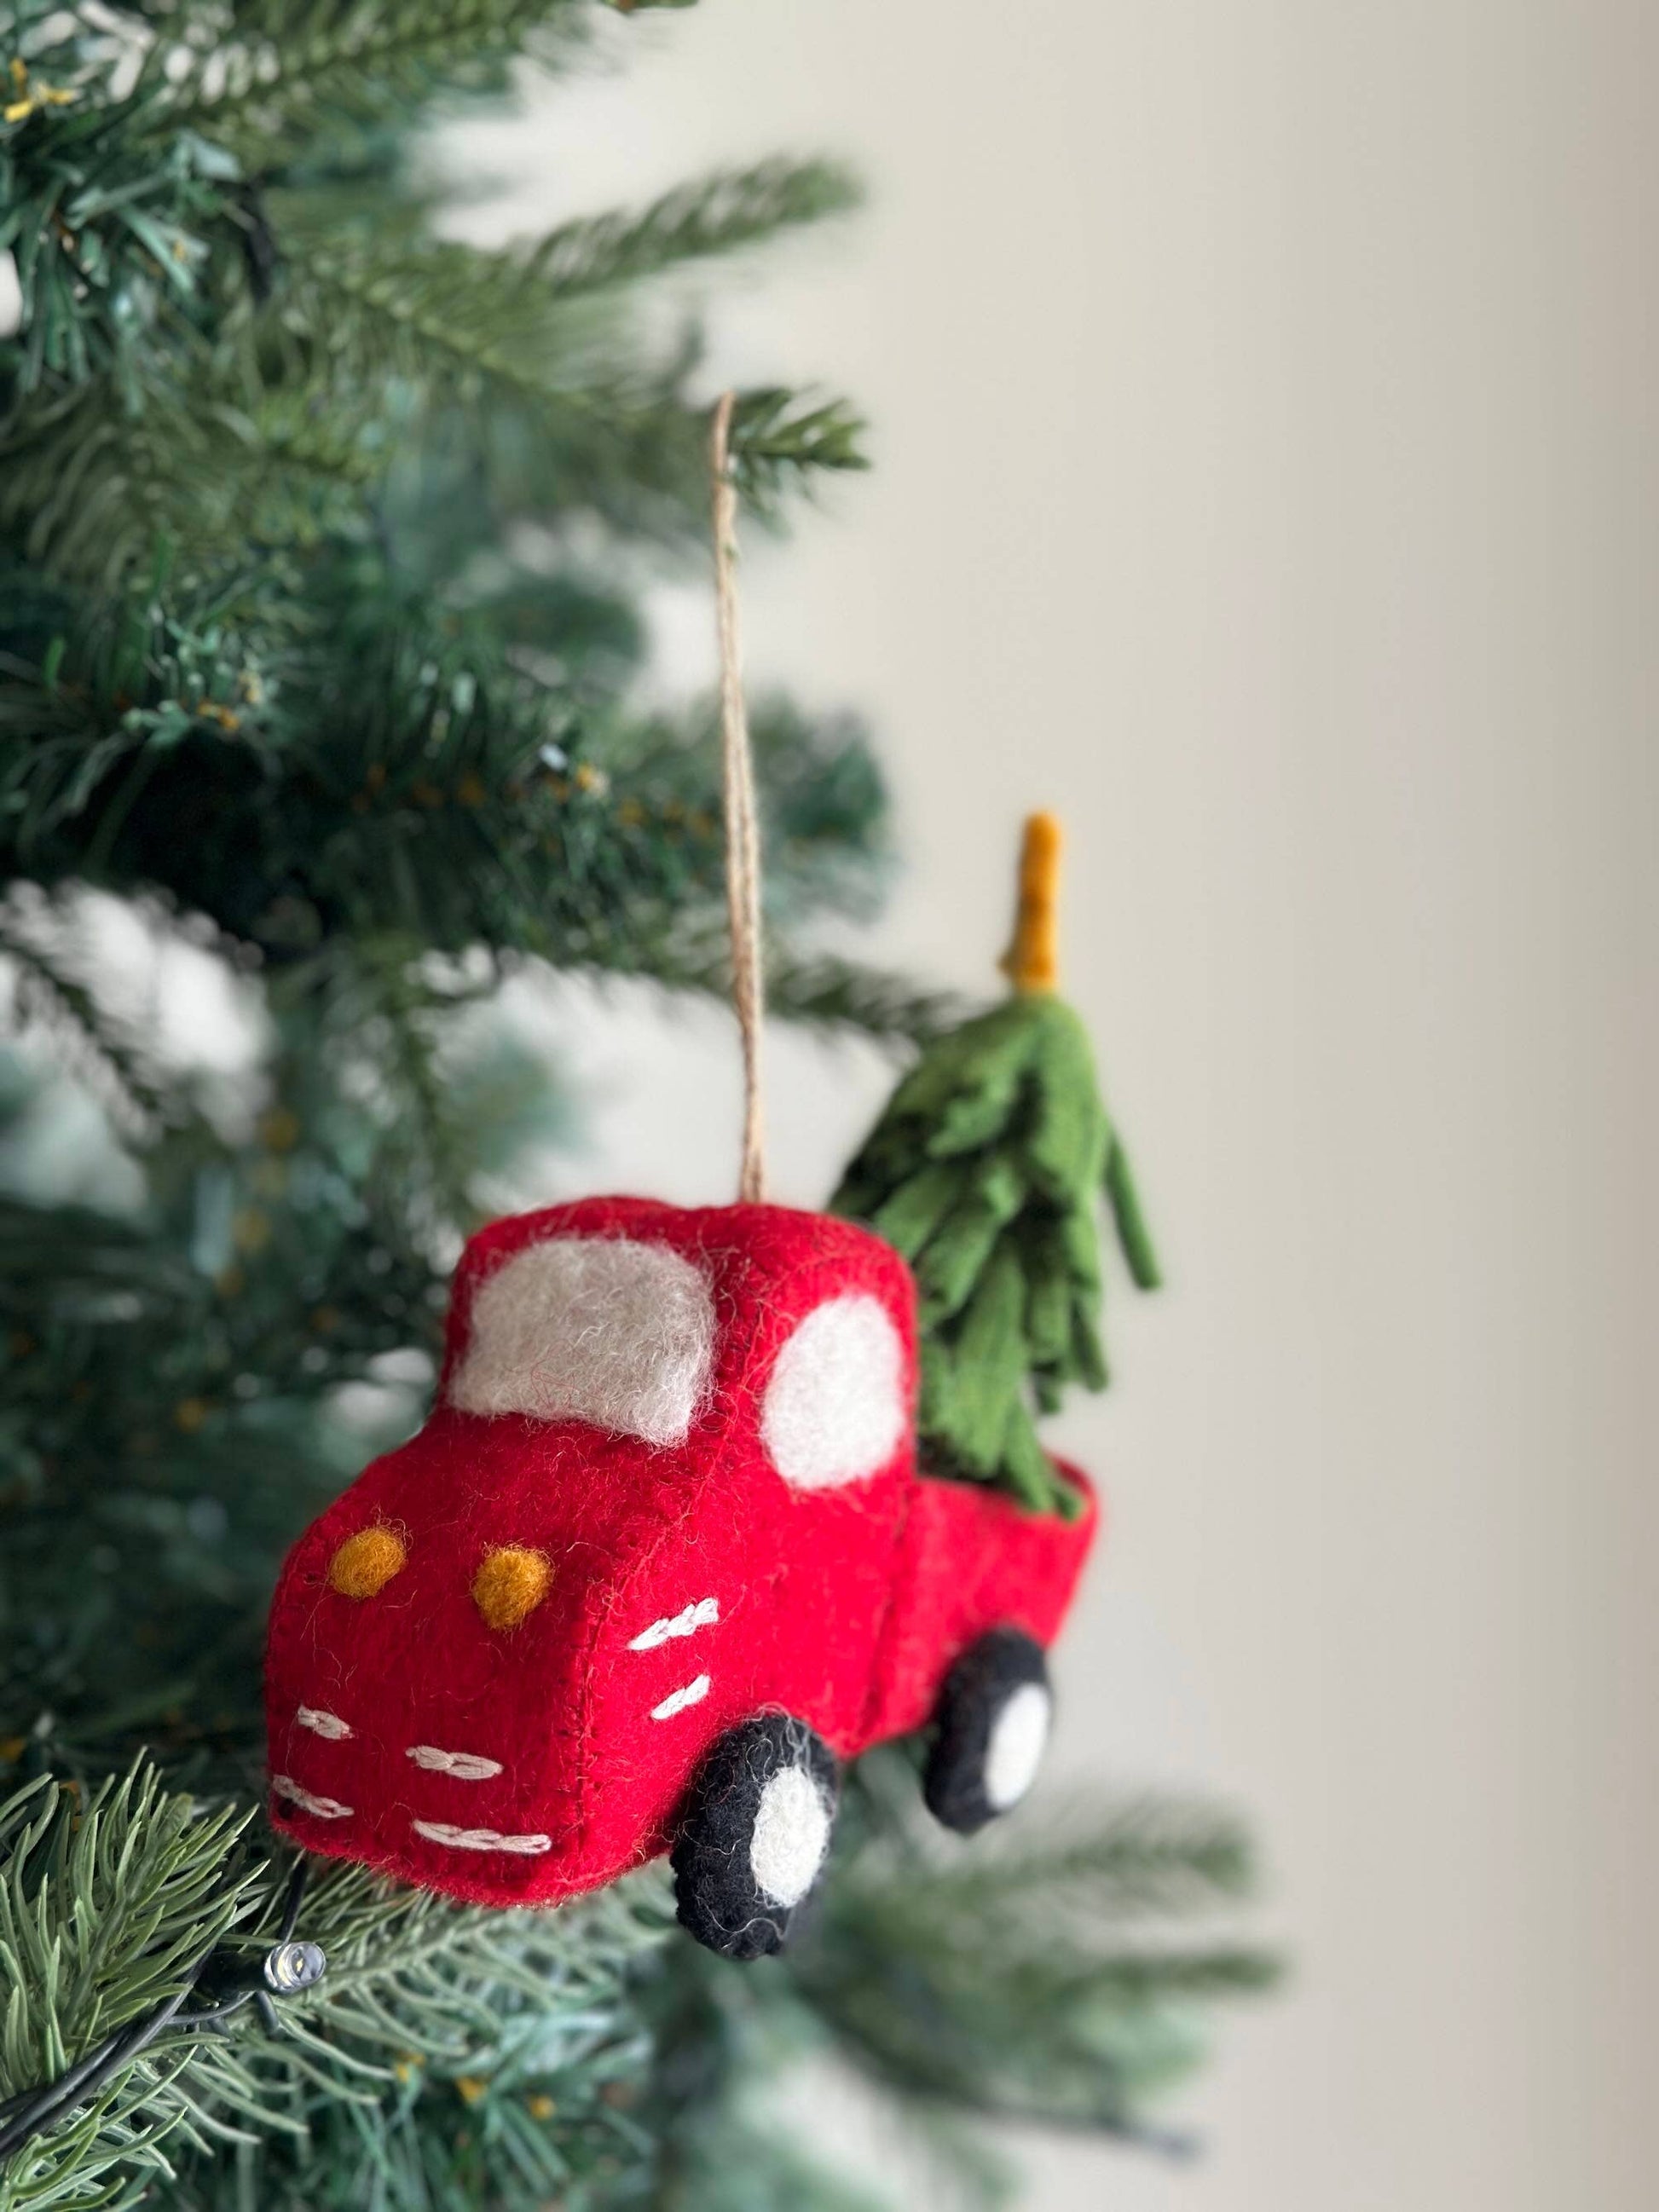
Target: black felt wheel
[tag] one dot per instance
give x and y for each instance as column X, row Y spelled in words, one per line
column 755, row 1835
column 993, row 1725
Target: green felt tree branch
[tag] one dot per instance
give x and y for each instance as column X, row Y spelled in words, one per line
column 987, row 1169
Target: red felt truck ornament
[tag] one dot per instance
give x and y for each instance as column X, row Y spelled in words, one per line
column 661, row 1557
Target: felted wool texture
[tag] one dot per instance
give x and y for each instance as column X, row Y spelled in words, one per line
column 790, row 1839
column 510, row 1583
column 834, row 1405
column 1019, row 1738
column 690, row 1587
column 366, row 1563
column 971, row 1560
column 977, row 1693
column 986, row 1169
column 751, row 1816
column 604, row 1329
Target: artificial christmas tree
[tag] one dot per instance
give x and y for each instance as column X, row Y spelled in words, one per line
column 316, row 669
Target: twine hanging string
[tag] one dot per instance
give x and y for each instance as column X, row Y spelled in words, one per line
column 742, row 829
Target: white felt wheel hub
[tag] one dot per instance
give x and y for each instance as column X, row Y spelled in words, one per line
column 1020, row 1736
column 791, row 1835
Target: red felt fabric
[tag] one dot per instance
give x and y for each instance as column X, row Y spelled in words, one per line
column 842, row 1607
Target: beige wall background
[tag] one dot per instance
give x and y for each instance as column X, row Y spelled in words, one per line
column 1263, row 400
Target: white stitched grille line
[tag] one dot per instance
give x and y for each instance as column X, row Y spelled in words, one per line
column 465, row 1765
column 703, row 1614
column 329, row 1725
column 325, row 1808
column 481, row 1839
column 692, row 1694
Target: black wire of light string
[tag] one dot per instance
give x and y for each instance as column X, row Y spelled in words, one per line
column 283, row 1970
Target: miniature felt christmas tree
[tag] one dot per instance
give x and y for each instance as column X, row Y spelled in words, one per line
column 987, row 1171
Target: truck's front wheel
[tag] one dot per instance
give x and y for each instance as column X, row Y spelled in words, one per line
column 994, row 1717
column 754, row 1838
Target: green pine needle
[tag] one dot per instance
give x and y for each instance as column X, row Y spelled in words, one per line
column 105, row 1910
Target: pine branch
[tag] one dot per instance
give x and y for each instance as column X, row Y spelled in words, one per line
column 227, row 422
column 422, row 306
column 533, row 330
column 101, row 1916
column 822, row 993
column 1147, row 1856
column 106, row 1912
column 89, row 491
column 384, row 777
column 51, row 992
column 716, row 215
column 119, row 245
column 842, row 994
column 781, row 441
column 1018, row 1979
column 276, row 72
column 391, row 1014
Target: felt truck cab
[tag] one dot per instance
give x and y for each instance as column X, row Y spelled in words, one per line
column 661, row 1557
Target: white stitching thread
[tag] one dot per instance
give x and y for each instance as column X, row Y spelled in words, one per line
column 703, row 1614
column 465, row 1765
column 321, row 1724
column 692, row 1694
column 481, row 1839
column 325, row 1808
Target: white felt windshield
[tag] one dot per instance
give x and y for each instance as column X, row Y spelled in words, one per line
column 592, row 1328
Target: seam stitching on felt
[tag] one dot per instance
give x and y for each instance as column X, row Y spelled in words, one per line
column 880, row 1653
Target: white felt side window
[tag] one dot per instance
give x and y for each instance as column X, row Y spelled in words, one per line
column 835, row 1407
column 603, row 1329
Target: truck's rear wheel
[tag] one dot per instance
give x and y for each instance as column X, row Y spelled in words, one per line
column 756, row 1836
column 994, row 1718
